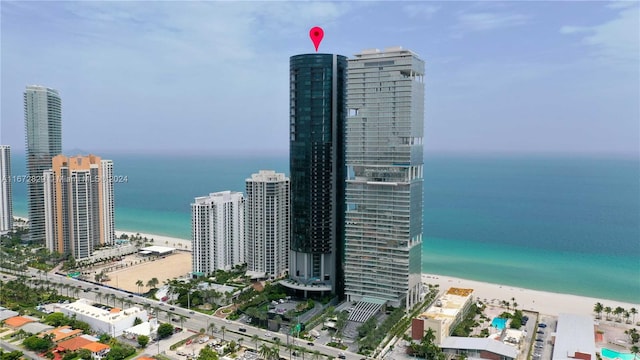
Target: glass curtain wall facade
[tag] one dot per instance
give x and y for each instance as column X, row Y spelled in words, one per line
column 317, row 124
column 384, row 158
column 6, row 199
column 43, row 132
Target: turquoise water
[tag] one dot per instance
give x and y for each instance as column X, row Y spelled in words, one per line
column 562, row 224
column 616, row 355
column 499, row 323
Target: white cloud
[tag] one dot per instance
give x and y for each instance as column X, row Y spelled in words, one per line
column 482, row 21
column 617, row 40
column 574, row 29
column 621, row 4
column 421, row 10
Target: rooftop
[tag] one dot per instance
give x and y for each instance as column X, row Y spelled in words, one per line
column 95, row 347
column 63, row 332
column 75, row 343
column 157, row 249
column 575, row 333
column 490, row 345
column 85, row 308
column 17, row 321
column 447, row 307
column 390, row 51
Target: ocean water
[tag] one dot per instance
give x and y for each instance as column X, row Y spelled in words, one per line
column 562, row 224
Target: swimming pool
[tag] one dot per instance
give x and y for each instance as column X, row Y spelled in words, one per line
column 616, row 355
column 499, row 323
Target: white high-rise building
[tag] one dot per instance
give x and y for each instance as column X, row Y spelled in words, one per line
column 267, row 223
column 217, row 223
column 6, row 200
column 78, row 203
column 108, row 215
column 384, row 159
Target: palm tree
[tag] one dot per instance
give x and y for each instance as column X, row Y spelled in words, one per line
column 76, row 291
column 633, row 312
column 290, row 348
column 617, row 312
column 139, row 284
column 212, row 328
column 98, row 296
column 607, row 310
column 255, row 339
column 223, row 329
column 277, row 343
column 316, row 355
column 113, row 297
column 182, row 317
column 240, row 340
column 265, row 351
column 635, row 350
column 597, row 308
column 626, row 316
column 275, row 352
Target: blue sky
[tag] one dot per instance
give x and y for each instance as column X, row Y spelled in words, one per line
column 212, row 77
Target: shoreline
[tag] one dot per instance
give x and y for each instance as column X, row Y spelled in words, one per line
column 543, row 302
column 159, row 240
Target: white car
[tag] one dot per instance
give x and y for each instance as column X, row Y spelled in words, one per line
column 267, row 334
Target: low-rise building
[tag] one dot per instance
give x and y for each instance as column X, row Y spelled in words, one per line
column 112, row 322
column 98, row 350
column 444, row 315
column 76, row 343
column 6, row 313
column 63, row 333
column 479, row 348
column 574, row 338
column 18, row 321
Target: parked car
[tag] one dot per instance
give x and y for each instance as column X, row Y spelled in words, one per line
column 242, row 330
column 542, row 325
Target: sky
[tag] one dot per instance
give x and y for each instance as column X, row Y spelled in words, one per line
column 213, row 77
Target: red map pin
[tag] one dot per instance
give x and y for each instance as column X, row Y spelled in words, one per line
column 316, row 34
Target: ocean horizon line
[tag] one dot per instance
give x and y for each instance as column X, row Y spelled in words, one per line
column 270, row 152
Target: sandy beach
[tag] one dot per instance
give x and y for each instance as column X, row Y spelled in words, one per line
column 160, row 240
column 172, row 266
column 546, row 303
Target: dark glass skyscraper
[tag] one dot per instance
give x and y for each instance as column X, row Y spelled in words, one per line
column 317, row 150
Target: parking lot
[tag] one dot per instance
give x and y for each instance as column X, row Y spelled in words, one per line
column 541, row 336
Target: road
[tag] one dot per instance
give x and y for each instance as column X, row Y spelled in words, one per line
column 193, row 320
column 25, row 353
